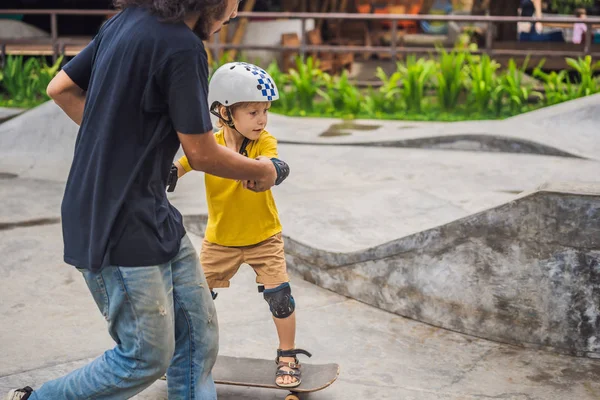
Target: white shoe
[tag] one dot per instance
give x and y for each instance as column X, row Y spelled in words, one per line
column 19, row 394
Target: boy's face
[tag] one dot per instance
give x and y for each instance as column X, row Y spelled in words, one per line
column 250, row 120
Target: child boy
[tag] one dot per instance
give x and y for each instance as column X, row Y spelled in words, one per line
column 243, row 226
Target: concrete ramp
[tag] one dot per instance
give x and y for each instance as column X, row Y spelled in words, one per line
column 38, row 143
column 525, row 273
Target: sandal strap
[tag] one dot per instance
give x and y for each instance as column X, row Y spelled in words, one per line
column 293, row 365
column 295, row 373
column 292, row 353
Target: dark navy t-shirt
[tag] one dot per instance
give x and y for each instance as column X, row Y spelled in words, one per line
column 145, row 79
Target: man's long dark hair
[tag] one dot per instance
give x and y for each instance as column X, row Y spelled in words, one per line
column 178, row 10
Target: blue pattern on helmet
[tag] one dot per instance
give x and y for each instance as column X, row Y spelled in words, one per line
column 267, row 85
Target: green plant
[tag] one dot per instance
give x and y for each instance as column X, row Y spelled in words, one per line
column 451, row 77
column 557, row 85
column 386, row 99
column 286, row 100
column 45, row 74
column 517, row 91
column 340, row 96
column 569, row 6
column 465, row 40
column 19, row 78
column 585, row 67
column 305, row 80
column 415, row 75
column 483, row 84
column 23, row 82
column 554, row 86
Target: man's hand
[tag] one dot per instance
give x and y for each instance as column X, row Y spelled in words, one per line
column 268, row 181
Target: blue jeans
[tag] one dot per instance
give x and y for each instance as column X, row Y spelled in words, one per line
column 161, row 317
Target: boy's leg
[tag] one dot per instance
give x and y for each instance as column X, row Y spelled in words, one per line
column 286, row 331
column 219, row 263
column 196, row 329
column 268, row 261
column 136, row 302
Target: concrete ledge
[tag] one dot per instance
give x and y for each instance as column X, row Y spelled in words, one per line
column 525, row 273
column 8, row 113
column 464, row 142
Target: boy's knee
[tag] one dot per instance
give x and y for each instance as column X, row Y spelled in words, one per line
column 280, row 300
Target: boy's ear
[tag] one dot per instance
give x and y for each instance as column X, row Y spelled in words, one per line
column 224, row 113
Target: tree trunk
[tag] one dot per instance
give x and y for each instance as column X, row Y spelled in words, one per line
column 506, row 31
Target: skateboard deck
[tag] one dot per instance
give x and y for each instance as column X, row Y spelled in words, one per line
column 254, row 372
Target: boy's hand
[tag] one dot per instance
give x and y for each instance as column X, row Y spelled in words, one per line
column 248, row 184
column 180, row 170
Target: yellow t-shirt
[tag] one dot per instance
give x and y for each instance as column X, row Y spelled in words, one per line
column 238, row 216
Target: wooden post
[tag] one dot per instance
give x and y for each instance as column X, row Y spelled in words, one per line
column 303, row 41
column 489, row 38
column 2, row 54
column 506, row 31
column 589, row 31
column 338, row 23
column 394, row 39
column 324, row 8
column 54, row 33
column 216, row 39
column 223, row 34
column 240, row 30
column 209, row 55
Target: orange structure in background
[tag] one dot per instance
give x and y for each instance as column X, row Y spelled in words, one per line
column 392, row 7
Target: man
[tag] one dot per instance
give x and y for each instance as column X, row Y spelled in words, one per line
column 138, row 92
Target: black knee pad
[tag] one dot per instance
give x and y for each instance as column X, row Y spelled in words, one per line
column 280, row 300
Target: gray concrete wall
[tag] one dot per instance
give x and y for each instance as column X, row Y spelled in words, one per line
column 525, row 273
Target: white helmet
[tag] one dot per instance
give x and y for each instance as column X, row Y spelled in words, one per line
column 238, row 82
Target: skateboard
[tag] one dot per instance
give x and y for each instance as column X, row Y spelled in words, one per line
column 254, row 372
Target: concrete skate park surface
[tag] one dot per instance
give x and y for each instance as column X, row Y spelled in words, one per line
column 449, row 231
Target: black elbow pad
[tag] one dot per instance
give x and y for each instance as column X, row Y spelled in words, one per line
column 283, row 170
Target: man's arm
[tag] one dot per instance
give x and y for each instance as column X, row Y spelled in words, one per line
column 68, row 88
column 184, row 81
column 68, row 96
column 204, row 154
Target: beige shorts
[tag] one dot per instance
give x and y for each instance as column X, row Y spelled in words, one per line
column 220, row 263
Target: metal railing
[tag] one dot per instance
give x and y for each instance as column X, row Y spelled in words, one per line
column 304, row 48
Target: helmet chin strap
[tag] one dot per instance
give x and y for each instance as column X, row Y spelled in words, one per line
column 230, row 124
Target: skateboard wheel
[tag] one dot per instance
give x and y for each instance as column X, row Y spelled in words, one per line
column 292, row 397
